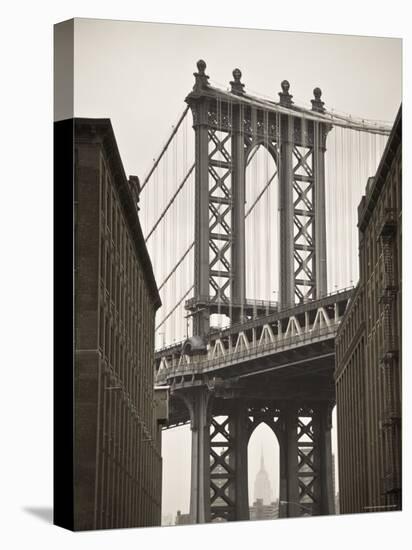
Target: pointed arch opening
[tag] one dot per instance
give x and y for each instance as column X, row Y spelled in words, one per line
column 262, row 224
column 263, row 473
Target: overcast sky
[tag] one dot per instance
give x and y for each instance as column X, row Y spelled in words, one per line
column 138, row 74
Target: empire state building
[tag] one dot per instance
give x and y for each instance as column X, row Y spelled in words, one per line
column 263, row 489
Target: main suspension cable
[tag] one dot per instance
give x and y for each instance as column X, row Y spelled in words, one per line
column 261, row 194
column 169, row 204
column 175, row 307
column 328, row 117
column 172, row 135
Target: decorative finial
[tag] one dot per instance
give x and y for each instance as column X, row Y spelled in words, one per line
column 317, row 103
column 285, row 86
column 201, row 77
column 285, row 96
column 237, row 86
column 201, row 66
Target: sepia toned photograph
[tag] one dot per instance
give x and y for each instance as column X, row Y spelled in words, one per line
column 228, row 207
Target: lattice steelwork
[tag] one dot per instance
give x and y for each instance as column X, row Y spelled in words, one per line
column 220, row 210
column 229, row 128
column 303, row 221
column 307, row 471
column 222, row 471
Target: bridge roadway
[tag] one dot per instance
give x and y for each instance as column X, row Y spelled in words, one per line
column 288, row 353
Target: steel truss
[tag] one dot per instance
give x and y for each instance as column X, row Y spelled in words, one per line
column 221, row 428
column 222, row 471
column 307, row 469
column 304, row 222
column 220, row 209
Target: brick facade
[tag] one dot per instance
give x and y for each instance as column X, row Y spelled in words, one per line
column 368, row 349
column 117, row 462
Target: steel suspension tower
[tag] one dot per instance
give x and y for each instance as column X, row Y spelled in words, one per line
column 229, row 126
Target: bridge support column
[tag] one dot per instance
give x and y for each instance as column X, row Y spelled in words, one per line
column 319, row 208
column 201, row 290
column 288, row 446
column 287, row 272
column 322, row 428
column 238, row 288
column 198, row 401
column 239, row 462
column 306, row 469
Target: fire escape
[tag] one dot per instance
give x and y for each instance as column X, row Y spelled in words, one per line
column 389, row 362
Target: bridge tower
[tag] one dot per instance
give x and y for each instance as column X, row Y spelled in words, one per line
column 228, row 127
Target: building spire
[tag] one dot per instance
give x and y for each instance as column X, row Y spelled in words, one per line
column 263, row 488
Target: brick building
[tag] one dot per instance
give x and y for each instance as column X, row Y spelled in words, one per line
column 368, row 349
column 117, row 445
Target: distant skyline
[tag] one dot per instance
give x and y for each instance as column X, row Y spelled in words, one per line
column 263, row 483
column 138, row 74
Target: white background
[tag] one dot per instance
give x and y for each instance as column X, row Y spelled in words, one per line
column 26, row 220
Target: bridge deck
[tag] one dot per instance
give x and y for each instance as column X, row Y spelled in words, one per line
column 341, row 298
column 293, row 341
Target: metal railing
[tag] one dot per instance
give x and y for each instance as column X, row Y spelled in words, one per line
column 254, row 351
column 249, row 302
column 262, row 319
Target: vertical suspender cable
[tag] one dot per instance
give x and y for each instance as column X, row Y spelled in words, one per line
column 253, row 232
column 162, row 246
column 173, row 245
column 247, row 259
column 267, row 217
column 339, row 202
column 279, row 169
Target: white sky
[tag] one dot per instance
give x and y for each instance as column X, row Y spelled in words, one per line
column 138, row 74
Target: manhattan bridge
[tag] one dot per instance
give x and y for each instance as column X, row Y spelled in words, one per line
column 249, row 214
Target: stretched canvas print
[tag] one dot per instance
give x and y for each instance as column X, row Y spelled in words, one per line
column 227, row 274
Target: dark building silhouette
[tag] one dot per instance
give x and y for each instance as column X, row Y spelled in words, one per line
column 259, row 510
column 368, row 349
column 182, row 519
column 117, row 459
column 263, row 489
column 263, row 507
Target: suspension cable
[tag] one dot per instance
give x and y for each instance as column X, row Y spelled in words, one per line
column 328, row 116
column 249, row 160
column 261, row 194
column 169, row 204
column 153, row 168
column 175, row 307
